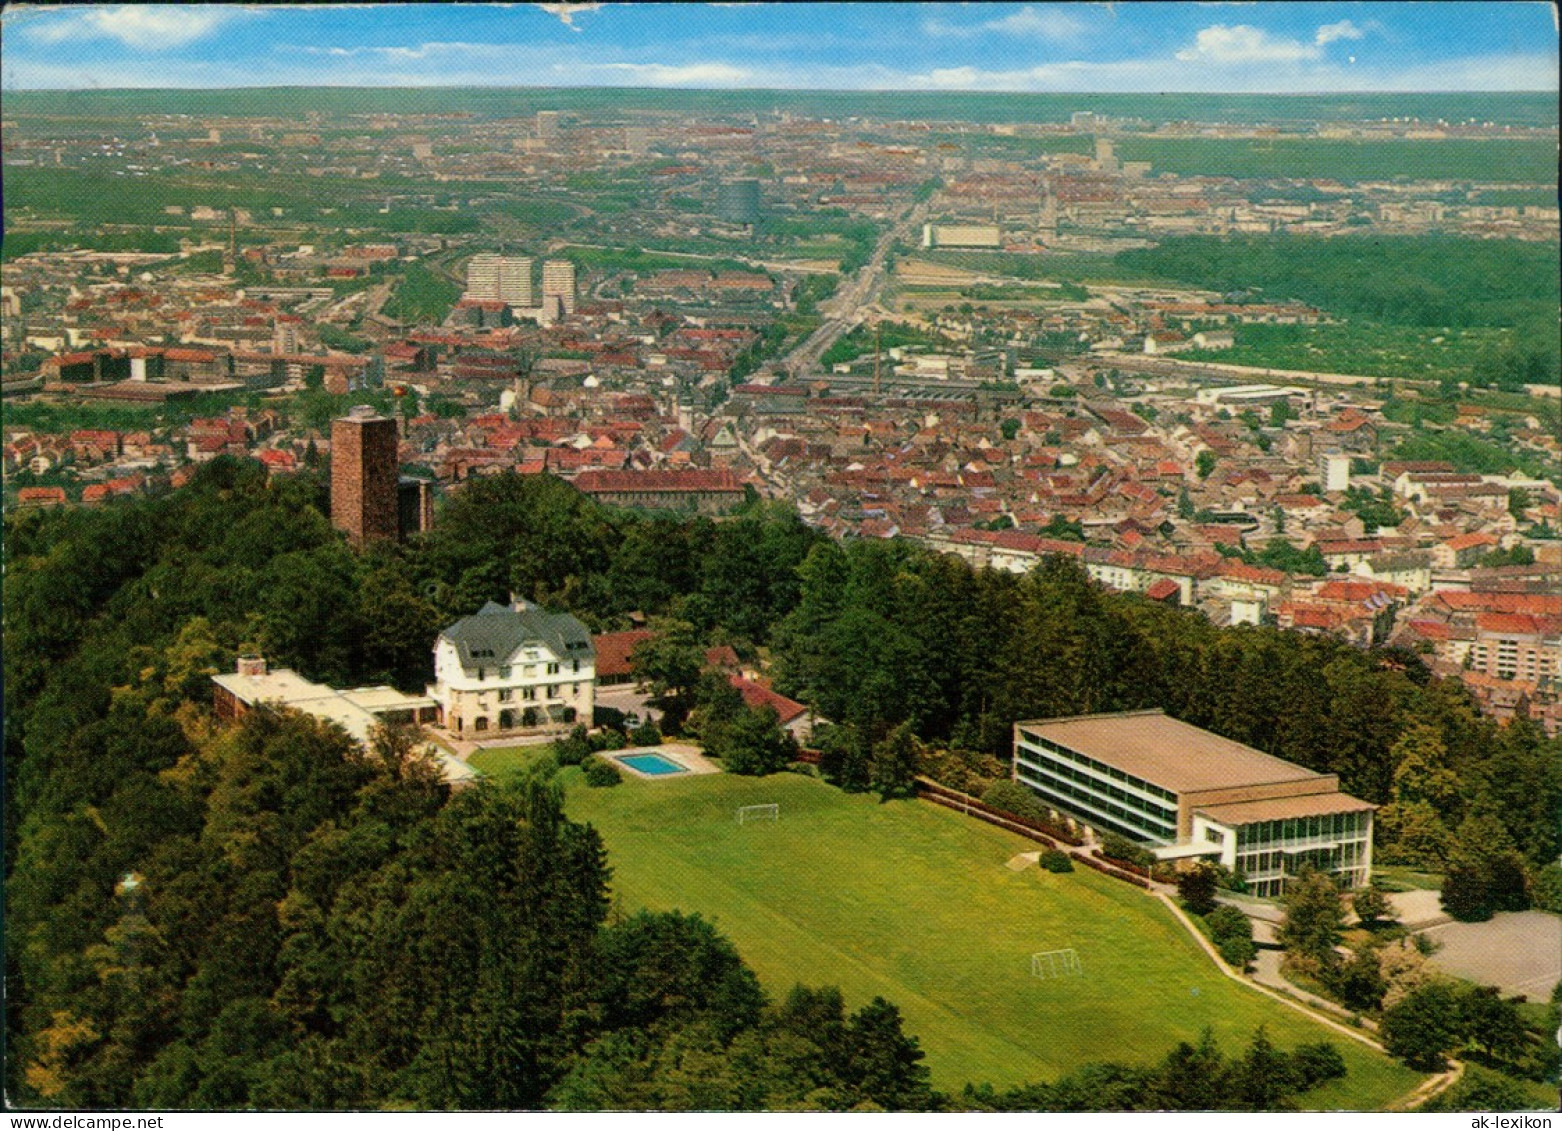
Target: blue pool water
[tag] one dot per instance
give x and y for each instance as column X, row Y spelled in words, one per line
column 653, row 764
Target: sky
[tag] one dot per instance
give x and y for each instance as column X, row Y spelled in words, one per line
column 1232, row 47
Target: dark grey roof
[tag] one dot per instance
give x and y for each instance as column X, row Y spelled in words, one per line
column 494, row 633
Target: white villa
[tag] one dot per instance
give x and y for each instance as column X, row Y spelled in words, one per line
column 513, row 668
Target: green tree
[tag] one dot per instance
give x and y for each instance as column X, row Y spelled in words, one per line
column 1193, row 1077
column 752, row 742
column 1196, row 887
column 1264, row 1078
column 668, row 665
column 1313, row 916
column 883, row 1066
column 1371, row 905
column 895, row 763
column 1493, row 1023
column 1424, row 1026
column 1204, row 463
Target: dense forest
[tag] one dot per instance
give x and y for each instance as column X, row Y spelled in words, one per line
column 310, row 925
column 1400, row 280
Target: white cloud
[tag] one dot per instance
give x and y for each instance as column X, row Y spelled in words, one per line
column 1328, row 33
column 1242, row 43
column 148, row 27
column 1027, row 23
column 1045, row 23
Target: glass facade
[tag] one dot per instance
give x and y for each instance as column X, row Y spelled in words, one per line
column 1269, row 851
column 1102, row 796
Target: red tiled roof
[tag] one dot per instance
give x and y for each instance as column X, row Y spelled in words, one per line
column 757, row 697
column 615, row 648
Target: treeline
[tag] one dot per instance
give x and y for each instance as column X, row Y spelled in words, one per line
column 1399, row 280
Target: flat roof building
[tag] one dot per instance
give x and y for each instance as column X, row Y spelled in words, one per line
column 357, row 710
column 1186, row 792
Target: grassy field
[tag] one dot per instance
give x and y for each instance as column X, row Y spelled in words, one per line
column 500, row 762
column 915, row 903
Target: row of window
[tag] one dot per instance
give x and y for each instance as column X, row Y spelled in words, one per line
column 1337, row 825
column 529, row 694
column 1152, row 810
column 1351, row 854
column 1093, row 808
column 1101, row 768
column 528, row 671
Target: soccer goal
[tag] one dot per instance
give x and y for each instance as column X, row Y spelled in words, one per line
column 747, row 813
column 1056, row 964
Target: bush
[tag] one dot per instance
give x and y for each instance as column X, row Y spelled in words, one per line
column 574, row 748
column 1054, row 861
column 608, row 740
column 1237, row 952
column 1372, row 906
column 600, row 772
column 645, row 734
column 1121, row 848
column 1316, row 1063
column 1012, row 797
column 1232, row 933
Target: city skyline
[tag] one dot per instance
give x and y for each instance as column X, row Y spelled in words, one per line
column 1084, row 48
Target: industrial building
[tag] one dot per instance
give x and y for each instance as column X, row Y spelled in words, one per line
column 1187, row 793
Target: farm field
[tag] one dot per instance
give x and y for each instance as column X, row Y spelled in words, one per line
column 914, row 903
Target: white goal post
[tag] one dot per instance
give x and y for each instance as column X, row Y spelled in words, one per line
column 1056, row 964
column 747, row 813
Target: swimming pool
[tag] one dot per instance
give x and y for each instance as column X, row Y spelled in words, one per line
column 653, row 765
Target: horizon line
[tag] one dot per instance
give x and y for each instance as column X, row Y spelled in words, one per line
column 784, row 90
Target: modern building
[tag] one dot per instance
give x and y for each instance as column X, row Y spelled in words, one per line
column 500, row 278
column 737, row 202
column 364, row 490
column 1186, row 793
column 558, row 281
column 357, row 711
column 513, row 668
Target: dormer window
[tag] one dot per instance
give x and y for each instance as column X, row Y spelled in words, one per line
column 504, row 672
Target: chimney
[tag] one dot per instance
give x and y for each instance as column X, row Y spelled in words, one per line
column 252, row 665
column 517, row 603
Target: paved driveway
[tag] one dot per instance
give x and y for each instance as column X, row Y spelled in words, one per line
column 1520, row 952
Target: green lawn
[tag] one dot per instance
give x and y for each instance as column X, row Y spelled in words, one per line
column 500, row 762
column 914, row 902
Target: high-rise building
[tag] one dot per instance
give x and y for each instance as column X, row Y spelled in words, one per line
column 500, row 278
column 737, row 202
column 364, row 463
column 558, row 279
